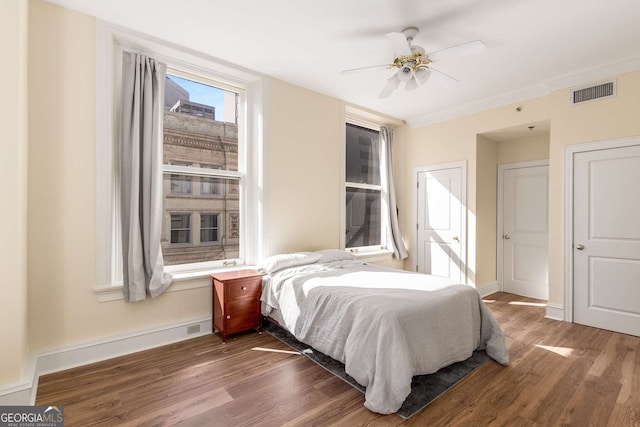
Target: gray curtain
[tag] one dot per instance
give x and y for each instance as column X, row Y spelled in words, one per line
column 388, row 192
column 141, row 176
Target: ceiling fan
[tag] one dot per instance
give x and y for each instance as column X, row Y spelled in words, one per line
column 414, row 65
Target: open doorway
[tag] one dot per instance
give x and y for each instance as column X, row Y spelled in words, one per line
column 515, row 262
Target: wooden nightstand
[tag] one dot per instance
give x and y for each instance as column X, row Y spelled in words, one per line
column 236, row 301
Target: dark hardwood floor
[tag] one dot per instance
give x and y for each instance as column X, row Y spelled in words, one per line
column 560, row 374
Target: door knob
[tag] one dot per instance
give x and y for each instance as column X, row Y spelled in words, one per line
column 456, row 238
column 579, row 247
column 506, row 237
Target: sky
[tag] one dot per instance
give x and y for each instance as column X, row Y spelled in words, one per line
column 203, row 94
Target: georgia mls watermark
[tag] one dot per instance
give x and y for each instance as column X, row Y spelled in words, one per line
column 31, row 416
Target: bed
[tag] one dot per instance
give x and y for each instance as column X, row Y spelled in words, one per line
column 385, row 325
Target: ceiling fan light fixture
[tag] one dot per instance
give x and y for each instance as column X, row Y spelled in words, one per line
column 417, row 50
column 411, row 84
column 406, row 71
column 422, row 74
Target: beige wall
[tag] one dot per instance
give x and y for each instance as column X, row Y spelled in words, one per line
column 13, row 190
column 304, row 140
column 486, row 199
column 524, row 149
column 456, row 140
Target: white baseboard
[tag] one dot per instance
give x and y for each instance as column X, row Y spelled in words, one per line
column 21, row 392
column 24, row 392
column 488, row 289
column 555, row 312
column 16, row 395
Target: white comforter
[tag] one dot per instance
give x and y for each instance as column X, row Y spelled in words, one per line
column 385, row 325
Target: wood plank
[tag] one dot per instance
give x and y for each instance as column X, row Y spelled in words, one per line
column 560, row 373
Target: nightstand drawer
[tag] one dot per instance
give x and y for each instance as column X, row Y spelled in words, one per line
column 245, row 288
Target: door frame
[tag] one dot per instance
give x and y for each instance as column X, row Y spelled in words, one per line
column 500, row 217
column 569, row 152
column 462, row 165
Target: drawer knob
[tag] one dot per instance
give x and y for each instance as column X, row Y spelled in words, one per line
column 244, row 288
column 228, row 317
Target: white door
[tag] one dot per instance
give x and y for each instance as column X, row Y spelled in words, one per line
column 441, row 223
column 524, row 238
column 606, row 239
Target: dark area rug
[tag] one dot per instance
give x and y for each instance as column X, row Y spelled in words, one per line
column 424, row 388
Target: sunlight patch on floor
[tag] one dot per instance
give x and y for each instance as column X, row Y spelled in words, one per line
column 530, row 304
column 273, row 350
column 562, row 351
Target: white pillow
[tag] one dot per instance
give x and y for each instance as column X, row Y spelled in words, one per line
column 278, row 262
column 330, row 255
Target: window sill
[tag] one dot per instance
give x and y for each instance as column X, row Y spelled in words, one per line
column 182, row 281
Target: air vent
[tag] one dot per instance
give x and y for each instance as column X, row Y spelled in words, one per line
column 591, row 93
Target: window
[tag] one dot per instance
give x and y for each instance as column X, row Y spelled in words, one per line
column 363, row 190
column 208, row 228
column 210, row 186
column 181, row 228
column 180, row 184
column 194, row 179
column 201, row 162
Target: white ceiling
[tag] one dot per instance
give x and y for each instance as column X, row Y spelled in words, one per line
column 533, row 46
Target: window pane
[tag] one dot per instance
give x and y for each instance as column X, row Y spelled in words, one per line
column 180, row 228
column 200, row 131
column 200, row 124
column 179, row 236
column 363, row 155
column 214, row 233
column 180, row 184
column 208, row 228
column 211, row 186
column 208, row 235
column 208, row 220
column 179, row 221
column 363, row 218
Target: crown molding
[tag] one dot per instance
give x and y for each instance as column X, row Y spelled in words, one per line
column 480, row 106
column 597, row 72
column 561, row 82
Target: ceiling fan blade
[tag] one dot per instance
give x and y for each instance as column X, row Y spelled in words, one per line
column 399, row 44
column 392, row 84
column 475, row 46
column 442, row 79
column 356, row 70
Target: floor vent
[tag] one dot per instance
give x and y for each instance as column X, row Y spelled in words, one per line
column 591, row 93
